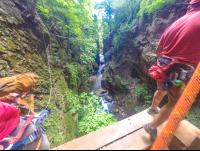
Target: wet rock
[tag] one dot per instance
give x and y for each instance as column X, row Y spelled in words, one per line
column 103, row 91
column 100, row 92
column 108, row 98
column 95, row 66
column 122, row 101
column 93, row 79
column 115, row 111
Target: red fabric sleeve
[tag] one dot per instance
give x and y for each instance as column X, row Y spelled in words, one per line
column 9, row 119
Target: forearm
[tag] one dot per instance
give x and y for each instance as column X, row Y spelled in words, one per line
column 159, row 50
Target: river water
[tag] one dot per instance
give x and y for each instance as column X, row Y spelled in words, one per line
column 106, row 105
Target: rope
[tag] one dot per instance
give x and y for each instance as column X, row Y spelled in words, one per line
column 182, row 107
column 49, row 71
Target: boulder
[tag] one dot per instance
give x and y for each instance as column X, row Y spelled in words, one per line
column 115, row 111
column 100, row 92
column 93, row 79
column 108, row 98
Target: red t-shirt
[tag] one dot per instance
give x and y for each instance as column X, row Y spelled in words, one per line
column 182, row 39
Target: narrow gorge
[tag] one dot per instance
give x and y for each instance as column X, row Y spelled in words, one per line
column 92, row 58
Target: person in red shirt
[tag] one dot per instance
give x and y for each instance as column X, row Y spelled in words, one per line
column 181, row 41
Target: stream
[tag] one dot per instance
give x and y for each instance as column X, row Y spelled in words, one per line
column 106, row 104
column 120, row 109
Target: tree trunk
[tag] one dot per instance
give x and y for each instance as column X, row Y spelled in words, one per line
column 98, row 46
column 33, row 7
column 110, row 17
column 68, row 44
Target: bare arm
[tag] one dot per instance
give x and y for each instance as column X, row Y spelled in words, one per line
column 159, row 50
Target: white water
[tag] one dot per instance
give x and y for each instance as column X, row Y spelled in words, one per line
column 98, row 87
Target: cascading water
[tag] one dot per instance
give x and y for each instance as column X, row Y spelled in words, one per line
column 106, row 105
column 97, row 85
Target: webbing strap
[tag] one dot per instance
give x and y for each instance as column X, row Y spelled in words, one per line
column 39, row 143
column 179, row 61
column 14, row 140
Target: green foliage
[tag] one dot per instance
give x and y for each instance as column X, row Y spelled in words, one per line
column 144, row 95
column 157, row 4
column 119, row 9
column 88, row 103
column 71, row 71
column 43, row 12
column 74, row 19
column 94, row 121
column 193, row 116
column 121, row 84
column 90, row 119
column 109, row 79
column 53, row 125
column 1, row 49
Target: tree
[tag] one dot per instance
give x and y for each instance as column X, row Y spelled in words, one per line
column 29, row 14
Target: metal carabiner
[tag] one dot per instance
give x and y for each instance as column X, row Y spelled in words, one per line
column 22, row 107
column 168, row 85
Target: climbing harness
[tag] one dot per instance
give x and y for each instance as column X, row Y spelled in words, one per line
column 39, row 143
column 168, row 85
column 38, row 120
column 182, row 107
column 167, row 67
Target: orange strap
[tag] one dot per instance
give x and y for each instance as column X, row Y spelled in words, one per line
column 182, row 107
column 14, row 140
column 39, row 143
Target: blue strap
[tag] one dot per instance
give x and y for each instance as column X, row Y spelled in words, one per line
column 35, row 135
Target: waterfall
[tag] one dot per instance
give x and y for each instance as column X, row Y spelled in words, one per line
column 97, row 85
column 106, row 105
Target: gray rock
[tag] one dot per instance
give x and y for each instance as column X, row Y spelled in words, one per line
column 108, row 98
column 116, row 111
column 93, row 79
column 100, row 92
column 122, row 101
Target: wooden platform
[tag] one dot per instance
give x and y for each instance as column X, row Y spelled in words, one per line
column 128, row 134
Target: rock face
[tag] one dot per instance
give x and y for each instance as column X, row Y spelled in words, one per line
column 128, row 66
column 22, row 50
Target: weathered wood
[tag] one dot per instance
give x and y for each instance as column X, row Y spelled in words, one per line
column 109, row 134
column 140, row 140
column 186, row 132
column 195, row 144
column 176, row 144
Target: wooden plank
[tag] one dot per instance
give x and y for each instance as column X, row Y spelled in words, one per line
column 176, row 144
column 108, row 134
column 140, row 140
column 186, row 132
column 195, row 144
